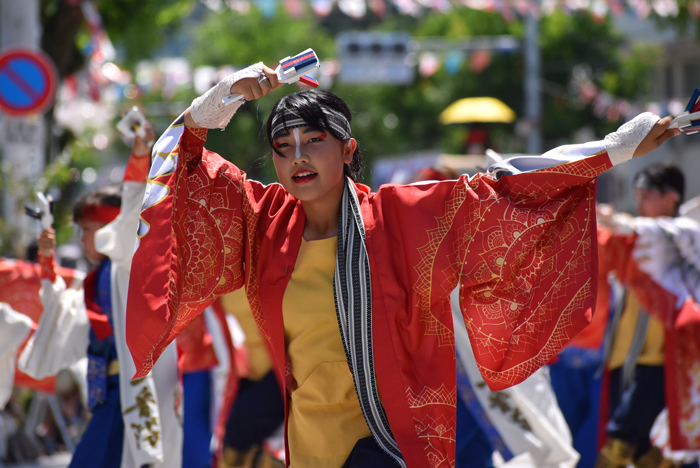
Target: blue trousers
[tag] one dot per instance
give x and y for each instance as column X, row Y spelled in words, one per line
column 634, row 411
column 197, row 428
column 367, row 454
column 578, row 392
column 473, row 449
column 102, row 442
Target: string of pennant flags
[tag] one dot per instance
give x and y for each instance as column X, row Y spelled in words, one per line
column 100, row 49
column 508, row 9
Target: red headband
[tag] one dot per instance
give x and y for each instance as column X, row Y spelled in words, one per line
column 100, row 213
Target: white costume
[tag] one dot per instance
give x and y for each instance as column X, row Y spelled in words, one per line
column 14, row 329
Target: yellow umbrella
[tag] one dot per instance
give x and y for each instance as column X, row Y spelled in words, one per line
column 478, row 109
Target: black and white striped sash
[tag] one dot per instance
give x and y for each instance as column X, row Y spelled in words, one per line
column 353, row 305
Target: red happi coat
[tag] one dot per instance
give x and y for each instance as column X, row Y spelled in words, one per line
column 523, row 248
column 681, row 340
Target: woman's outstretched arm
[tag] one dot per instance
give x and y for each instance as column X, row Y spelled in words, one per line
column 521, row 245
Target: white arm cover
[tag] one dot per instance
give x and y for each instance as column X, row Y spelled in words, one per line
column 622, row 143
column 63, row 334
column 14, row 329
column 209, row 111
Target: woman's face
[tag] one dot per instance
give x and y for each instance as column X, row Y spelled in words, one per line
column 312, row 165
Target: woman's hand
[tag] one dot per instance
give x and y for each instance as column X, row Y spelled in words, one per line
column 47, row 243
column 253, row 88
column 208, row 110
column 658, row 134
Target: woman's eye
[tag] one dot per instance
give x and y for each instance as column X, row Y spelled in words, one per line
column 279, row 144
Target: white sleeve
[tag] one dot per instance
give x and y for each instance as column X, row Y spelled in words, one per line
column 620, row 146
column 668, row 249
column 63, row 334
column 14, row 329
column 681, row 234
column 560, row 155
column 685, row 233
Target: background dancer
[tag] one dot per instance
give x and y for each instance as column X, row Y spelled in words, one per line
column 373, row 384
column 637, row 333
column 133, row 422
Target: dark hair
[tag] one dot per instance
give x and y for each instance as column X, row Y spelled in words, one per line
column 663, row 178
column 307, row 104
column 106, row 196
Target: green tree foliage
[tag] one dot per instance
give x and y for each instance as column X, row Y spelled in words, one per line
column 138, row 26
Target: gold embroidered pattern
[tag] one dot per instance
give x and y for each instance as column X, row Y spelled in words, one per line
column 148, row 430
column 428, row 396
column 423, row 287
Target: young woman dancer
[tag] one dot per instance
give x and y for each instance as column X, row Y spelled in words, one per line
column 360, row 325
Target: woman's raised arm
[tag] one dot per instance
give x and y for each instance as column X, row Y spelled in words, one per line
column 209, row 111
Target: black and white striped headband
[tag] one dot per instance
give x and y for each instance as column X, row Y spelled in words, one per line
column 288, row 120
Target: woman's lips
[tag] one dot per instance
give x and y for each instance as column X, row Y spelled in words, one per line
column 304, row 179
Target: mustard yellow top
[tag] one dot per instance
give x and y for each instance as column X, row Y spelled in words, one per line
column 325, row 419
column 653, row 351
column 259, row 364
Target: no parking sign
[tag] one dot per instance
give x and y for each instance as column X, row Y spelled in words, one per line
column 27, row 82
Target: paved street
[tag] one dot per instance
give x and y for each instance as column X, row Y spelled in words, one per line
column 57, row 461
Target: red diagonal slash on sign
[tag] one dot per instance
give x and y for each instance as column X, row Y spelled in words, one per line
column 18, row 81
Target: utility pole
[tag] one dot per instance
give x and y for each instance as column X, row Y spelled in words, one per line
column 533, row 83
